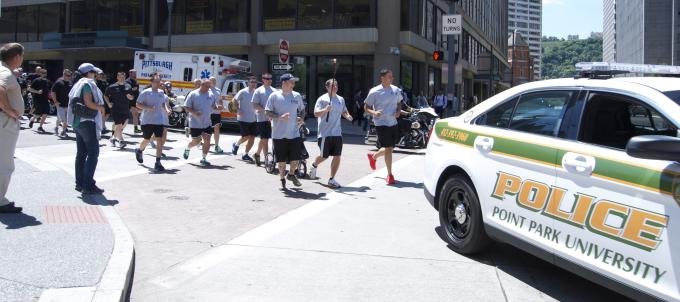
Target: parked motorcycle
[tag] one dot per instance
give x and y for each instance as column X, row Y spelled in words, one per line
column 414, row 129
column 178, row 115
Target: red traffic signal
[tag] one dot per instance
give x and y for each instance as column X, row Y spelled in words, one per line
column 438, row 55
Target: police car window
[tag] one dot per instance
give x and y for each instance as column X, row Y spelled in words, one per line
column 188, row 74
column 540, row 112
column 611, row 120
column 499, row 116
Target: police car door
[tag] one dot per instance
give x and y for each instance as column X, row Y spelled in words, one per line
column 516, row 151
column 612, row 210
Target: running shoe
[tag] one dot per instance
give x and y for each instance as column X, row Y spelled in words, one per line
column 113, row 142
column 218, row 150
column 312, row 173
column 158, row 167
column 41, row 130
column 186, row 153
column 294, row 179
column 56, row 130
column 283, row 183
column 257, row 160
column 10, row 209
column 63, row 133
column 205, row 162
column 371, row 161
column 390, row 179
column 93, row 191
column 247, row 157
column 122, row 144
column 234, row 149
column 139, row 155
column 30, row 124
column 334, row 183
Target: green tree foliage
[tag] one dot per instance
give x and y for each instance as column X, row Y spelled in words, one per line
column 559, row 57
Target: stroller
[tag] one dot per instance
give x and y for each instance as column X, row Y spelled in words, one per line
column 270, row 163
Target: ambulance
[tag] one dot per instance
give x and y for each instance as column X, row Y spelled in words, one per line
column 181, row 69
column 582, row 172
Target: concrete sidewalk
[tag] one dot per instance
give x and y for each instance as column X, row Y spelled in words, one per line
column 60, row 248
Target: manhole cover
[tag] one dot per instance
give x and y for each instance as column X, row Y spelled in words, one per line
column 178, row 197
column 73, row 214
column 162, row 191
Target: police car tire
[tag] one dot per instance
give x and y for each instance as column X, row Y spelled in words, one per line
column 475, row 238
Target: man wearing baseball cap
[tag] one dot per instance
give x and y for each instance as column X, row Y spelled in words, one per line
column 282, row 108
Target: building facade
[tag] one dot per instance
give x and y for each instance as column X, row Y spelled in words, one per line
column 520, row 59
column 643, row 32
column 526, row 16
column 364, row 36
column 609, row 31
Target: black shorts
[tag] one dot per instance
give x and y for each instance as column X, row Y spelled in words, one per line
column 388, row 136
column 197, row 132
column 264, row 130
column 107, row 110
column 133, row 103
column 41, row 108
column 152, row 130
column 330, row 146
column 120, row 118
column 215, row 119
column 248, row 129
column 287, row 150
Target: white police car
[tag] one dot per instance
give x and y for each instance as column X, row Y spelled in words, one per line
column 584, row 173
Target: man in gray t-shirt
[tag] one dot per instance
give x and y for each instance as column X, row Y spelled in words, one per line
column 246, row 118
column 383, row 102
column 199, row 104
column 329, row 110
column 216, row 114
column 283, row 107
column 264, row 125
column 154, row 106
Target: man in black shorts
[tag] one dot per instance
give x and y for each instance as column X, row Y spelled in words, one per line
column 199, row 104
column 246, row 118
column 283, row 107
column 155, row 110
column 118, row 96
column 329, row 110
column 132, row 81
column 40, row 88
column 60, row 91
column 264, row 124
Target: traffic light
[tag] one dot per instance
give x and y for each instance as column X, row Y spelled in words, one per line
column 438, row 55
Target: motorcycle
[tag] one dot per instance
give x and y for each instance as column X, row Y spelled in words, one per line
column 178, row 115
column 414, row 129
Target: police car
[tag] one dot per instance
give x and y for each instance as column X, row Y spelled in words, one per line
column 583, row 173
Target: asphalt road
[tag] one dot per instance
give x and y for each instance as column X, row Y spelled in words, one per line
column 366, row 242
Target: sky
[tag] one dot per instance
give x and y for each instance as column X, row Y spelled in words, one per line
column 569, row 17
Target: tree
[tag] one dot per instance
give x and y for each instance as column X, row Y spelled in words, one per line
column 560, row 57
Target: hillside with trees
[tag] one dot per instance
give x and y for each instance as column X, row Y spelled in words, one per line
column 560, row 56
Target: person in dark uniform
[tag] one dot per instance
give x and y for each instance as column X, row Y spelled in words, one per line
column 132, row 81
column 102, row 84
column 118, row 95
column 60, row 91
column 40, row 88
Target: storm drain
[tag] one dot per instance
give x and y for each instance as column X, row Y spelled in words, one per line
column 73, row 215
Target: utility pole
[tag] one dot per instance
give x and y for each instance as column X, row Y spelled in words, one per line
column 453, row 58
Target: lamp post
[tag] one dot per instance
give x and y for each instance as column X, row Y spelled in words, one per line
column 170, row 3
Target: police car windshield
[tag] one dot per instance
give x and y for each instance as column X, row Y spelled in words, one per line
column 673, row 95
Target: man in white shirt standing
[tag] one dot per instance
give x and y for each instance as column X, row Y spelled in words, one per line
column 440, row 103
column 11, row 109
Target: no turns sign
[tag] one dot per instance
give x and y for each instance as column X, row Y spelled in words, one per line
column 283, row 52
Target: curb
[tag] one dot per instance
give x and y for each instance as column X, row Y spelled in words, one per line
column 117, row 276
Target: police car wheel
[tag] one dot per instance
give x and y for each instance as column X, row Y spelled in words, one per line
column 460, row 216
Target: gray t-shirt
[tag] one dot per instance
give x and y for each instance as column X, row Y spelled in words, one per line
column 203, row 103
column 156, row 99
column 216, row 94
column 329, row 123
column 246, row 112
column 260, row 97
column 280, row 104
column 380, row 98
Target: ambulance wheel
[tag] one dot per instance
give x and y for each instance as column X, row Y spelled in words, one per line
column 460, row 216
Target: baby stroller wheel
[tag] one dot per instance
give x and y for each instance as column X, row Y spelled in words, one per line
column 269, row 162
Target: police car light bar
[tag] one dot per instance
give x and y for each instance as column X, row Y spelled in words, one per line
column 603, row 69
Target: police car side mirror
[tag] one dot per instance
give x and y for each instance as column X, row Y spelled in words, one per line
column 658, row 147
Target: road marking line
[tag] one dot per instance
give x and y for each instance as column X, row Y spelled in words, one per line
column 195, row 266
column 35, row 161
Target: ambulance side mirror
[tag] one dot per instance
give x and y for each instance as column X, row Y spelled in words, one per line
column 658, row 147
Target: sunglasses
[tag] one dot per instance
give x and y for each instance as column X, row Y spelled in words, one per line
column 268, row 79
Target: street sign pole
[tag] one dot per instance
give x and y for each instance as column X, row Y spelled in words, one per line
column 170, row 2
column 452, row 26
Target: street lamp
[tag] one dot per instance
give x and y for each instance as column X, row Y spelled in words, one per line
column 170, row 2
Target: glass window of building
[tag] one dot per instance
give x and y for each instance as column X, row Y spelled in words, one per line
column 51, row 18
column 133, row 17
column 82, row 16
column 430, row 22
column 199, row 16
column 232, row 15
column 353, row 13
column 178, row 17
column 8, row 24
column 314, row 14
column 106, row 12
column 279, row 14
column 27, row 23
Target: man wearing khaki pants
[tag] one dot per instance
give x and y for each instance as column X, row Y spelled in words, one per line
column 11, row 108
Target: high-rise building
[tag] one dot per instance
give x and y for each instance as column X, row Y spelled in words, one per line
column 525, row 16
column 521, row 62
column 642, row 31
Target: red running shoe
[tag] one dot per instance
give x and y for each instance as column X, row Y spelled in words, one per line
column 371, row 160
column 390, row 180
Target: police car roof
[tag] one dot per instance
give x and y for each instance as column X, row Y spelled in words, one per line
column 662, row 84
